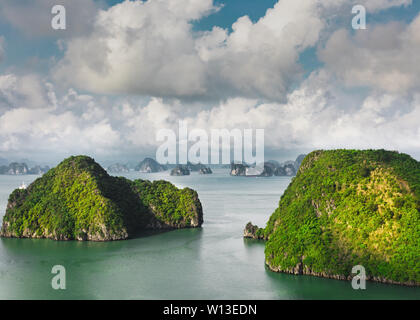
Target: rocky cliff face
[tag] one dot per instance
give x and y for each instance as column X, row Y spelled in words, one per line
column 79, row 200
column 346, row 208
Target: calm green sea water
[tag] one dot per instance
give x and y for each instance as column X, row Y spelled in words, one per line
column 212, row 263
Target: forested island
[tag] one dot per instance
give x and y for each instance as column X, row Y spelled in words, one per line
column 347, row 208
column 79, row 200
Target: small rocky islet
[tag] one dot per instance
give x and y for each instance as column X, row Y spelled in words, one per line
column 346, row 208
column 180, row 170
column 186, row 169
column 79, row 200
column 205, row 171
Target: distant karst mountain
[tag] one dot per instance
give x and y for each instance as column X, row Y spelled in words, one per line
column 16, row 168
column 195, row 167
column 149, row 165
column 186, row 169
column 79, row 200
column 38, row 170
column 268, row 169
column 118, row 168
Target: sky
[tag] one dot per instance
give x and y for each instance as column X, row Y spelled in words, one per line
column 123, row 70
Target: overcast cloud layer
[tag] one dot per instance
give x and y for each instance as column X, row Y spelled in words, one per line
column 138, row 67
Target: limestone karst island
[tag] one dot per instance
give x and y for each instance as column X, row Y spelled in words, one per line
column 79, row 200
column 346, row 208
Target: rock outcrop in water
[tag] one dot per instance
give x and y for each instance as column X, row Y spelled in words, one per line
column 195, row 167
column 205, row 171
column 238, row 169
column 79, row 200
column 253, row 232
column 346, row 208
column 180, row 170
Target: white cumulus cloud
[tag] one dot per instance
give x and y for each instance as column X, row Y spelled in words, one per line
column 27, row 91
column 383, row 57
column 150, row 48
column 314, row 115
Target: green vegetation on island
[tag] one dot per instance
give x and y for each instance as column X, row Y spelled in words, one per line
column 347, row 208
column 79, row 200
